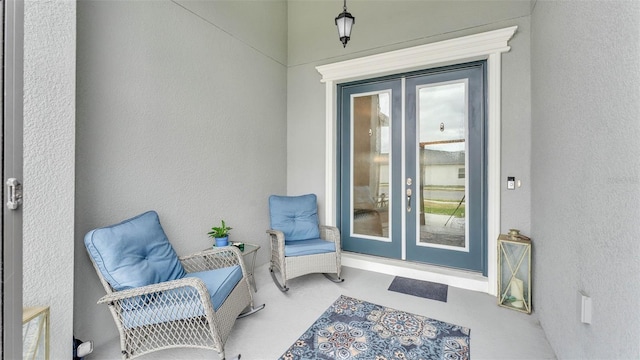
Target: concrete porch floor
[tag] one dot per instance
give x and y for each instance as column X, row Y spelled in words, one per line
column 496, row 332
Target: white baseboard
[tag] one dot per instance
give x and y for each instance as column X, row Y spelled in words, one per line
column 452, row 277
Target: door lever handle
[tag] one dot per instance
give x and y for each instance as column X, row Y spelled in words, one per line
column 14, row 193
column 409, row 193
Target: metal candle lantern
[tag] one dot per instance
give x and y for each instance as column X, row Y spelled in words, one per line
column 514, row 271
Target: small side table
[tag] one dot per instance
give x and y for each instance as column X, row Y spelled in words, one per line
column 248, row 250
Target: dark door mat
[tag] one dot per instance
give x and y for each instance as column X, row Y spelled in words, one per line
column 424, row 289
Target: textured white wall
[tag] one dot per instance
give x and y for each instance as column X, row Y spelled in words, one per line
column 383, row 26
column 586, row 175
column 177, row 112
column 49, row 147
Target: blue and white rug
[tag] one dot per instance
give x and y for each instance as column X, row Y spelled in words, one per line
column 356, row 329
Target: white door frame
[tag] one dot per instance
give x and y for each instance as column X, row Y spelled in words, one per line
column 487, row 46
column 11, row 304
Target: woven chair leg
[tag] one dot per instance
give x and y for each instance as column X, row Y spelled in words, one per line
column 335, row 279
column 282, row 288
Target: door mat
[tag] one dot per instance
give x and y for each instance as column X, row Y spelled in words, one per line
column 424, row 289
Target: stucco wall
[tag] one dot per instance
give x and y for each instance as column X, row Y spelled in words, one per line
column 383, row 26
column 182, row 111
column 49, row 146
column 586, row 175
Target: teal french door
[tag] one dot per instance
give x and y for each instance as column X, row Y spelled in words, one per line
column 371, row 167
column 413, row 167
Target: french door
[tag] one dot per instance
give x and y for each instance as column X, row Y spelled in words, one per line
column 412, row 167
column 371, row 168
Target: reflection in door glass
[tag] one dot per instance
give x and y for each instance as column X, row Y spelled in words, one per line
column 442, row 110
column 370, row 173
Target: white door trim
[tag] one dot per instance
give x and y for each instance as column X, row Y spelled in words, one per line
column 12, row 151
column 488, row 45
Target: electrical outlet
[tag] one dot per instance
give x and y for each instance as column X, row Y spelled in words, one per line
column 84, row 349
column 585, row 308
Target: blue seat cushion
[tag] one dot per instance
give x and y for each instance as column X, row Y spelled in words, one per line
column 162, row 307
column 295, row 216
column 219, row 282
column 134, row 253
column 308, row 247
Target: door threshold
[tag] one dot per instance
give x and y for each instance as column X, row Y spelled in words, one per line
column 453, row 277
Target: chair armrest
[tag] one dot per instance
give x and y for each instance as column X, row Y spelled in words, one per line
column 156, row 290
column 276, row 238
column 214, row 258
column 330, row 233
column 279, row 235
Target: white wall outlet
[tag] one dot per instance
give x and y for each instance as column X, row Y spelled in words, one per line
column 585, row 308
column 84, row 349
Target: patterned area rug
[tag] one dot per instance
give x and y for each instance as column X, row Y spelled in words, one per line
column 356, row 329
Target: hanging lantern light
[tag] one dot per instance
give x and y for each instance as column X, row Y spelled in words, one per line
column 345, row 22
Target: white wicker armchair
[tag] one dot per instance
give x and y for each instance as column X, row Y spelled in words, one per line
column 197, row 310
column 299, row 245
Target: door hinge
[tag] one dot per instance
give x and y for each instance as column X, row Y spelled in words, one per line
column 14, row 193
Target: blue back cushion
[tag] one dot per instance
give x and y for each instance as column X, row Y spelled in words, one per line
column 134, row 253
column 295, row 216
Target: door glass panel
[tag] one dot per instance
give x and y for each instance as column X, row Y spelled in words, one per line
column 370, row 151
column 442, row 123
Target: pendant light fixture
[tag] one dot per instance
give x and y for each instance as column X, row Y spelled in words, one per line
column 345, row 22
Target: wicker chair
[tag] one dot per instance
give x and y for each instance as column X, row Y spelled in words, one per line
column 299, row 245
column 159, row 300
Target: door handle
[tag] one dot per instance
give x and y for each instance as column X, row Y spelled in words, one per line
column 14, row 193
column 409, row 193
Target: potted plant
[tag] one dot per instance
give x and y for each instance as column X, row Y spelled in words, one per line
column 220, row 234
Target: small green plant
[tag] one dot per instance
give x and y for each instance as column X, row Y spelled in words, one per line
column 219, row 231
